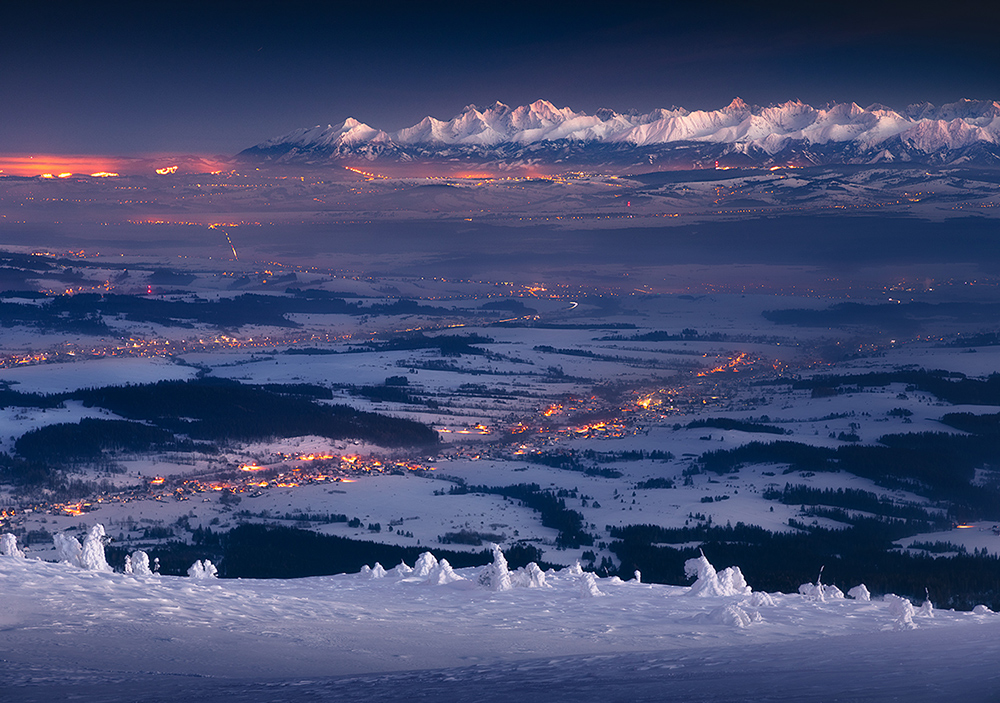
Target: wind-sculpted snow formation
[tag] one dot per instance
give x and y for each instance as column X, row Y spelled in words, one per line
column 89, row 555
column 728, row 582
column 860, row 592
column 496, row 576
column 902, row 610
column 8, row 546
column 967, row 130
column 203, row 569
column 588, row 586
column 137, row 563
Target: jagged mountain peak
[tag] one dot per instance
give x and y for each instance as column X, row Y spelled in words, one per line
column 843, row 132
column 737, row 105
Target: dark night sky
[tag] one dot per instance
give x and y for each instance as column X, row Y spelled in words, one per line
column 93, row 77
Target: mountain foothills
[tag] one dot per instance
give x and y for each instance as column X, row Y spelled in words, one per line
column 792, row 133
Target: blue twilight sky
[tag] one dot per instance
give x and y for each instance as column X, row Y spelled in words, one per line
column 216, row 77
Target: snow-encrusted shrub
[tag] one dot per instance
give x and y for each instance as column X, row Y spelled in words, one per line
column 137, row 564
column 92, row 554
column 529, row 576
column 860, row 592
column 425, row 562
column 734, row 615
column 637, row 576
column 733, row 583
column 8, row 546
column 926, row 609
column 588, row 585
column 831, row 592
column 760, row 599
column 981, row 610
column 68, row 548
column 820, row 591
column 812, row 590
column 574, row 570
column 203, row 570
column 902, row 610
column 441, row 573
column 728, row 582
column 401, row 569
column 372, row 572
column 496, row 576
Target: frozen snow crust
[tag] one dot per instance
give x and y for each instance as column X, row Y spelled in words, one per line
column 404, row 619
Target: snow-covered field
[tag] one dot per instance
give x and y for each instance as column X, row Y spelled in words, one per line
column 438, row 634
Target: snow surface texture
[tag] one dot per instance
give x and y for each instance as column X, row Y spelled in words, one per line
column 446, row 637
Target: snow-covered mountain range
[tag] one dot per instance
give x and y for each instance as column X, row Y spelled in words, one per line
column 738, row 134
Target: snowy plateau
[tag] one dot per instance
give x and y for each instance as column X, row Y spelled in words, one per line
column 541, row 134
column 427, row 632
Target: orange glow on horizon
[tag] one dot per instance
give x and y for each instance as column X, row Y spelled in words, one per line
column 102, row 166
column 48, row 165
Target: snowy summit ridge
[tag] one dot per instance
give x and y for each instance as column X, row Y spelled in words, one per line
column 967, row 130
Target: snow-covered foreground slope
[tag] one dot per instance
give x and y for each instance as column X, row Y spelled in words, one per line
column 102, row 636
